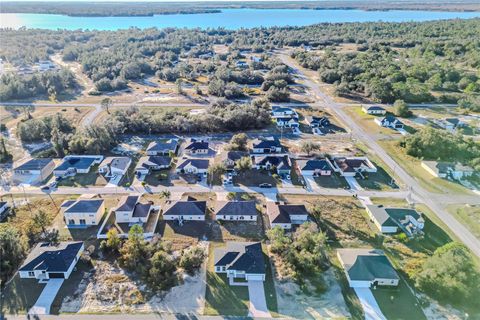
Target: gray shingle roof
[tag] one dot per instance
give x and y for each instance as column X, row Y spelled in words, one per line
column 197, row 163
column 52, row 258
column 266, row 143
column 236, row 208
column 142, row 210
column 170, row 145
column 76, row 162
column 120, row 163
column 197, row 145
column 127, row 203
column 281, row 162
column 178, row 208
column 313, row 164
column 85, row 206
column 241, row 256
column 34, row 164
column 367, row 264
column 280, row 213
column 153, row 161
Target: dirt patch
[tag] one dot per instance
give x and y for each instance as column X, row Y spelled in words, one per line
column 294, row 303
column 108, row 289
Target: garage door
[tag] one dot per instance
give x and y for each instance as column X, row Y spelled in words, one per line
column 56, row 275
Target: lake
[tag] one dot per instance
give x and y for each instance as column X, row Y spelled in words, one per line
column 228, row 18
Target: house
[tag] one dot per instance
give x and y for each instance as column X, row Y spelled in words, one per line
column 281, row 164
column 365, row 268
column 195, row 147
column 283, row 112
column 3, row 210
column 230, row 158
column 83, row 212
column 314, row 167
column 287, row 122
column 449, row 124
column 374, row 110
column 241, row 64
column 114, row 166
column 317, row 122
column 389, row 122
column 350, row 166
column 182, row 210
column 236, row 210
column 131, row 210
column 148, row 164
column 240, row 260
column 71, row 165
column 193, row 166
column 48, row 261
column 33, row 171
column 455, row 171
column 267, row 145
column 286, row 215
column 390, row 220
column 169, row 147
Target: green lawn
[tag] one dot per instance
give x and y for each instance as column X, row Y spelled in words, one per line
column 334, row 181
column 254, row 178
column 220, row 297
column 398, row 303
column 380, row 180
column 93, row 178
column 269, row 285
column 20, row 295
column 413, row 166
column 468, row 215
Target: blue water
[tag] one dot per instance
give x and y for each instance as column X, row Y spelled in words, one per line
column 228, row 18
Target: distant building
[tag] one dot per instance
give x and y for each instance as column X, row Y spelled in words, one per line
column 449, row 124
column 317, row 122
column 392, row 220
column 197, row 147
column 185, row 210
column 230, row 158
column 374, row 110
column 455, row 171
column 389, row 122
column 166, row 148
column 367, row 268
column 314, row 167
column 148, row 164
column 114, row 166
column 83, row 212
column 286, row 215
column 47, row 261
column 131, row 210
column 33, row 171
column 281, row 164
column 193, row 166
column 351, row 166
column 3, row 210
column 240, row 260
column 236, row 211
column 267, row 145
column 283, row 112
column 71, row 165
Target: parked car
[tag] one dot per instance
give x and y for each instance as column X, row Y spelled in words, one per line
column 265, row 185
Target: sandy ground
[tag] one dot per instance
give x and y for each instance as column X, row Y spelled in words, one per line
column 437, row 312
column 108, row 289
column 294, row 303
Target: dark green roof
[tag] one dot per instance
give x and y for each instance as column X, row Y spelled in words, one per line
column 371, row 268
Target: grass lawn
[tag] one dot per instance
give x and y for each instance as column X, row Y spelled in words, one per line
column 220, row 297
column 254, row 178
column 93, row 178
column 413, row 166
column 269, row 285
column 398, row 303
column 158, row 178
column 468, row 215
column 334, row 181
column 20, row 295
column 380, row 180
column 367, row 121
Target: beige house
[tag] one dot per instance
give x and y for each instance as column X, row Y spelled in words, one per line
column 83, row 213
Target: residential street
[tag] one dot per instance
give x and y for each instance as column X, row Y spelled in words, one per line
column 431, row 200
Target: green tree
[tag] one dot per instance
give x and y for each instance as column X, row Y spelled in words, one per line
column 12, row 251
column 243, row 164
column 161, row 274
column 192, row 258
column 106, row 103
column 41, row 220
column 216, row 170
column 309, row 146
column 400, row 109
column 134, row 252
column 238, row 142
column 5, row 156
column 450, row 275
column 113, row 240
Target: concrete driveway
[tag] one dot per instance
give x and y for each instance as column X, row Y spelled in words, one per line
column 258, row 304
column 369, row 304
column 353, row 183
column 45, row 300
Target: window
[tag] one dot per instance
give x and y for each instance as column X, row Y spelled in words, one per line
column 31, row 273
column 82, row 221
column 71, row 221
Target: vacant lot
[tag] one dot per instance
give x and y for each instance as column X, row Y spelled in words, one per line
column 468, row 215
column 398, row 303
column 379, row 180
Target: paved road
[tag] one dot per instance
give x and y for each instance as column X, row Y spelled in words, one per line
column 431, row 200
